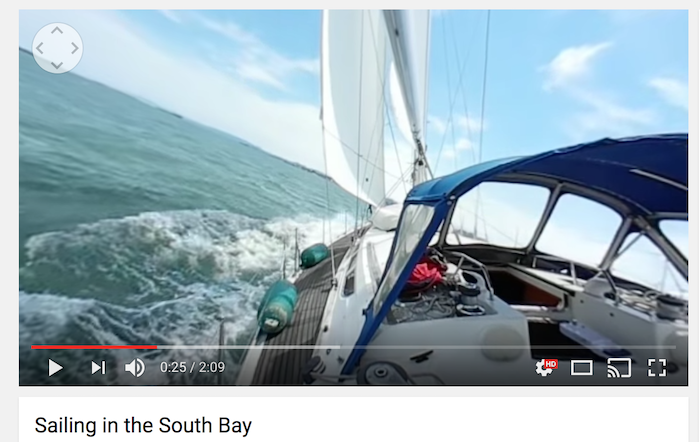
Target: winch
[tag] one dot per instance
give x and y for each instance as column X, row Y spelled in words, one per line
column 382, row 373
column 671, row 308
column 466, row 295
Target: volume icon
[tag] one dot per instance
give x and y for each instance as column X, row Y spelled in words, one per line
column 136, row 367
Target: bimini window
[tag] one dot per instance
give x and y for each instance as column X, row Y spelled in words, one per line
column 501, row 214
column 676, row 231
column 349, row 286
column 642, row 262
column 579, row 229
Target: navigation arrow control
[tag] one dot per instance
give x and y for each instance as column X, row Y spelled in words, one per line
column 57, row 48
column 101, row 367
column 54, row 367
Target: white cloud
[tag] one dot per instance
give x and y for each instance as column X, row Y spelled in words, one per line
column 173, row 16
column 254, row 60
column 458, row 151
column 249, row 57
column 452, row 151
column 436, row 124
column 603, row 116
column 571, row 64
column 463, row 144
column 600, row 114
column 461, row 122
column 673, row 91
column 228, row 29
column 472, row 125
column 125, row 58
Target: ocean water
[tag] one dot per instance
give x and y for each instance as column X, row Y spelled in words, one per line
column 140, row 227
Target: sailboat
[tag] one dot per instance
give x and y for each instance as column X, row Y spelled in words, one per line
column 486, row 314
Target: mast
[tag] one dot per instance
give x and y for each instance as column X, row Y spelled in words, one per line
column 361, row 52
column 409, row 35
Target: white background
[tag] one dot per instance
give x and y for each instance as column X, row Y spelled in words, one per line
column 315, row 419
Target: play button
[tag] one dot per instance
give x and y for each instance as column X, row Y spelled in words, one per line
column 54, row 367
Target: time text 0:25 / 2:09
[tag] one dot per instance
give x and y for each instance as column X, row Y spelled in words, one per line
column 192, row 367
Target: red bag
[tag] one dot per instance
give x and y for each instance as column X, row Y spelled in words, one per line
column 425, row 274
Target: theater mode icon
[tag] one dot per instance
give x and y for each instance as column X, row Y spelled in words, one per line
column 582, row 367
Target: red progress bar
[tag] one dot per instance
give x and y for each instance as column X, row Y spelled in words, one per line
column 94, row 347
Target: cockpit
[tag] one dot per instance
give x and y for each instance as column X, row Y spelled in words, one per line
column 597, row 272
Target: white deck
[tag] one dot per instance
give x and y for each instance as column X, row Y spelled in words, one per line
column 493, row 346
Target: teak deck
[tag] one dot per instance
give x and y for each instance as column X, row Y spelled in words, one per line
column 283, row 366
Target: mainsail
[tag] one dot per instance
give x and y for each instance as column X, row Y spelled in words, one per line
column 359, row 50
column 353, row 60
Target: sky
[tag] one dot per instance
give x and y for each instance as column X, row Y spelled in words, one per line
column 553, row 78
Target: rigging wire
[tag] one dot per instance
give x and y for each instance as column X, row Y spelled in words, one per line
column 359, row 156
column 382, row 104
column 401, row 180
column 376, row 167
column 483, row 89
column 351, row 150
column 328, row 210
column 463, row 90
column 383, row 108
column 398, row 160
column 452, row 104
column 359, row 116
column 483, row 107
column 328, row 198
column 449, row 91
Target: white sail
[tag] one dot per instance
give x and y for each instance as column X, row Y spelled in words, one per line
column 409, row 34
column 398, row 105
column 353, row 60
column 398, row 142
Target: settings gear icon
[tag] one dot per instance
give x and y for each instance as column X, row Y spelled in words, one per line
column 540, row 370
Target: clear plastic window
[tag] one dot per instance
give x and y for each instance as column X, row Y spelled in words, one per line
column 414, row 222
column 502, row 214
column 642, row 262
column 579, row 229
column 677, row 232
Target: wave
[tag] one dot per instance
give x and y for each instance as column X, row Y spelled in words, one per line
column 165, row 278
